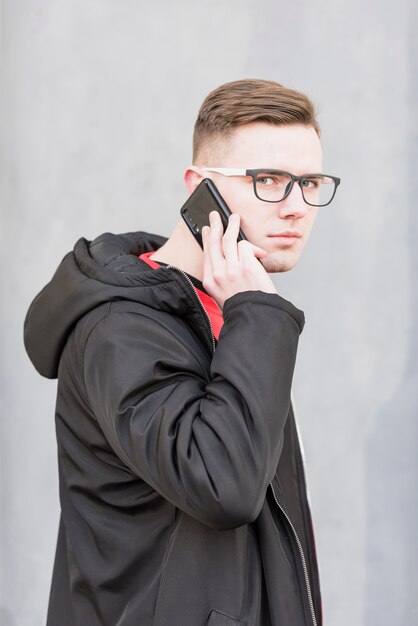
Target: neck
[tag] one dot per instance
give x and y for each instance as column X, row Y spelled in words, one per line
column 182, row 251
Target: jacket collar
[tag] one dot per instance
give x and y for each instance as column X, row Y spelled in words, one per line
column 106, row 270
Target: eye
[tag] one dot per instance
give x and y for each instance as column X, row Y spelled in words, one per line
column 266, row 181
column 310, row 183
column 272, row 179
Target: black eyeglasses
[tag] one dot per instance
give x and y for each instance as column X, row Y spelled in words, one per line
column 275, row 185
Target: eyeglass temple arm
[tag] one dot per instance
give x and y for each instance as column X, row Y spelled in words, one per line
column 225, row 171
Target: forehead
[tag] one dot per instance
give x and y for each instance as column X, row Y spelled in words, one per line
column 295, row 148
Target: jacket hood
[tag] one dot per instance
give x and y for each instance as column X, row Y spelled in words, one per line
column 94, row 273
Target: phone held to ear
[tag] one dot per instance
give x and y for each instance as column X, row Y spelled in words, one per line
column 195, row 211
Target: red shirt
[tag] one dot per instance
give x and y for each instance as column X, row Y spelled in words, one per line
column 209, row 304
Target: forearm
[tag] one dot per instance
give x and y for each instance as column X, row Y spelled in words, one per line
column 209, row 444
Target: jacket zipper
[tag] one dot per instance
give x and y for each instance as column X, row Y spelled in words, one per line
column 302, row 557
column 173, row 267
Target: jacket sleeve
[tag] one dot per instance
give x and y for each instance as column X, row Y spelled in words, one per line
column 209, row 442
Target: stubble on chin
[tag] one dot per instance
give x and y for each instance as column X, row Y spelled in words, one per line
column 274, row 264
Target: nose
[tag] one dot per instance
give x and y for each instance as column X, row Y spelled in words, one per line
column 294, row 205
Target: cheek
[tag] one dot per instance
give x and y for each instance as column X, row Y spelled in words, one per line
column 311, row 217
column 247, row 211
column 254, row 227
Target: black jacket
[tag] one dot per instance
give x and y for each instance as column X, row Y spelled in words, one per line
column 181, row 481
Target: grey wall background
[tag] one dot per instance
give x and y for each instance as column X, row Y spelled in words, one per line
column 98, row 103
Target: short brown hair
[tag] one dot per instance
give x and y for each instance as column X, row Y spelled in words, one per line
column 244, row 101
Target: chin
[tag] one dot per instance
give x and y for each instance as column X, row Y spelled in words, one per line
column 284, row 263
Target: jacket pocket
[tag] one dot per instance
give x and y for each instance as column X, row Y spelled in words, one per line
column 216, row 618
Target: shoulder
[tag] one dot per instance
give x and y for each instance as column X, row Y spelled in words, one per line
column 131, row 330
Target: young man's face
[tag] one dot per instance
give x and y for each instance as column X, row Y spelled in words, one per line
column 295, row 149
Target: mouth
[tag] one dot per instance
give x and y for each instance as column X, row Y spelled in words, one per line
column 286, row 238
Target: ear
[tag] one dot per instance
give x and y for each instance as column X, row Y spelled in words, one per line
column 192, row 177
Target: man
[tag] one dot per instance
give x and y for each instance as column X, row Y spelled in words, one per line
column 181, row 483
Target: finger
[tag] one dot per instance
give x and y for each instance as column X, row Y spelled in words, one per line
column 247, row 250
column 259, row 252
column 207, row 265
column 215, row 222
column 205, row 241
column 205, row 237
column 229, row 240
column 215, row 251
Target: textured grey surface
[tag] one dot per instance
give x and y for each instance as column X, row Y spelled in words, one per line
column 98, row 102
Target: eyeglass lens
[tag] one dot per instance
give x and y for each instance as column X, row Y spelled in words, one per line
column 316, row 190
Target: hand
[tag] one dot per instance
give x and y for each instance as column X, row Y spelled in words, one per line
column 230, row 267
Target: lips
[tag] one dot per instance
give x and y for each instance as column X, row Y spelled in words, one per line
column 291, row 234
column 286, row 239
